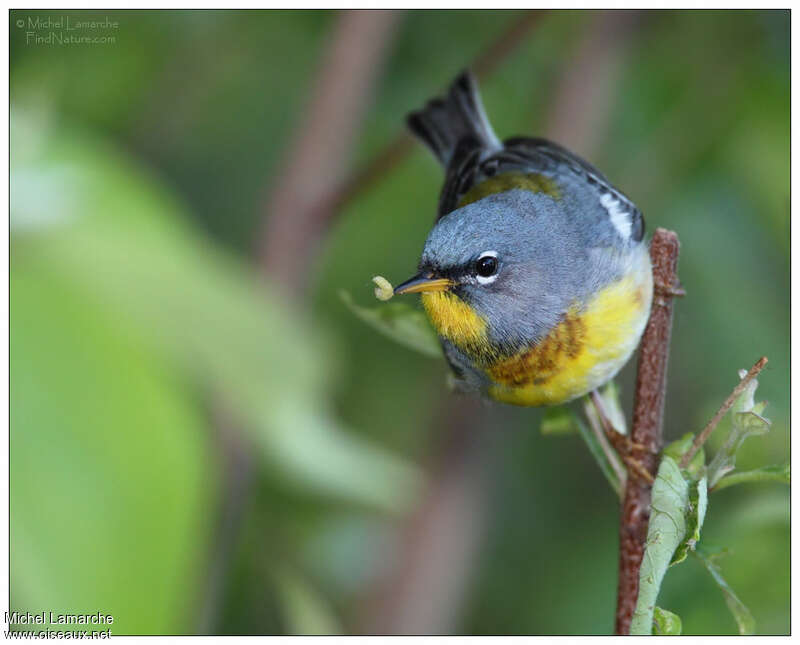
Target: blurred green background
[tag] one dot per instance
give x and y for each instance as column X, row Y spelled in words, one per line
column 205, row 440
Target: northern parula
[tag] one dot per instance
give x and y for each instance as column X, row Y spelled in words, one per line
column 536, row 275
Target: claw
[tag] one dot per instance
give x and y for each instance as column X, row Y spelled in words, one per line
column 626, row 449
column 675, row 290
column 636, row 469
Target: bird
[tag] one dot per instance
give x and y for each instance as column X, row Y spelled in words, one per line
column 536, row 275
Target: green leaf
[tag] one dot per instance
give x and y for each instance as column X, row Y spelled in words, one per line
column 746, row 421
column 775, row 473
column 741, row 614
column 558, row 421
column 752, row 423
column 399, row 322
column 680, row 447
column 125, row 243
column 112, row 481
column 666, row 531
column 665, row 623
column 676, row 449
column 596, row 450
column 695, row 515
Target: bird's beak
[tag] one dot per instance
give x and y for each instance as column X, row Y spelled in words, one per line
column 423, row 283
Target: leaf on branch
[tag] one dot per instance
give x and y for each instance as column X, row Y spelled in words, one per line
column 746, row 421
column 680, row 447
column 666, row 531
column 665, row 623
column 695, row 514
column 558, row 421
column 401, row 323
column 775, row 473
column 741, row 614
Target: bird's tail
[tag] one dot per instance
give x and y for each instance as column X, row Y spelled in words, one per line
column 457, row 119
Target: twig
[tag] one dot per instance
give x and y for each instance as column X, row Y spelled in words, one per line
column 700, row 439
column 648, row 414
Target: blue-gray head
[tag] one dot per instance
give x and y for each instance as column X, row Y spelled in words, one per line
column 518, row 258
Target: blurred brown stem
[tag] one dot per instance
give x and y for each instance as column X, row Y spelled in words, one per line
column 298, row 208
column 347, row 72
column 585, row 96
column 424, row 591
column 648, row 420
column 394, row 152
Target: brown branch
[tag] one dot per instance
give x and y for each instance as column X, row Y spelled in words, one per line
column 648, row 416
column 700, row 439
column 585, row 97
column 324, row 138
column 331, row 132
column 424, row 591
column 402, row 144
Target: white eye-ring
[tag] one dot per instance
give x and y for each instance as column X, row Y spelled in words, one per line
column 486, row 267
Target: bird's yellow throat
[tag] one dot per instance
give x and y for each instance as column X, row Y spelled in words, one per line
column 456, row 321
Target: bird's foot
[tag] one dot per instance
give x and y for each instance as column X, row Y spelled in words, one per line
column 664, row 291
column 630, row 452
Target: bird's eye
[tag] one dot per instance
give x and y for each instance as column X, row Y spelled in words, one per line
column 486, row 267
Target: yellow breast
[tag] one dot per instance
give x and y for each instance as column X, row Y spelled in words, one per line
column 583, row 352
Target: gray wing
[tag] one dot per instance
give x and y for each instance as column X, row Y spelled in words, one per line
column 469, row 165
